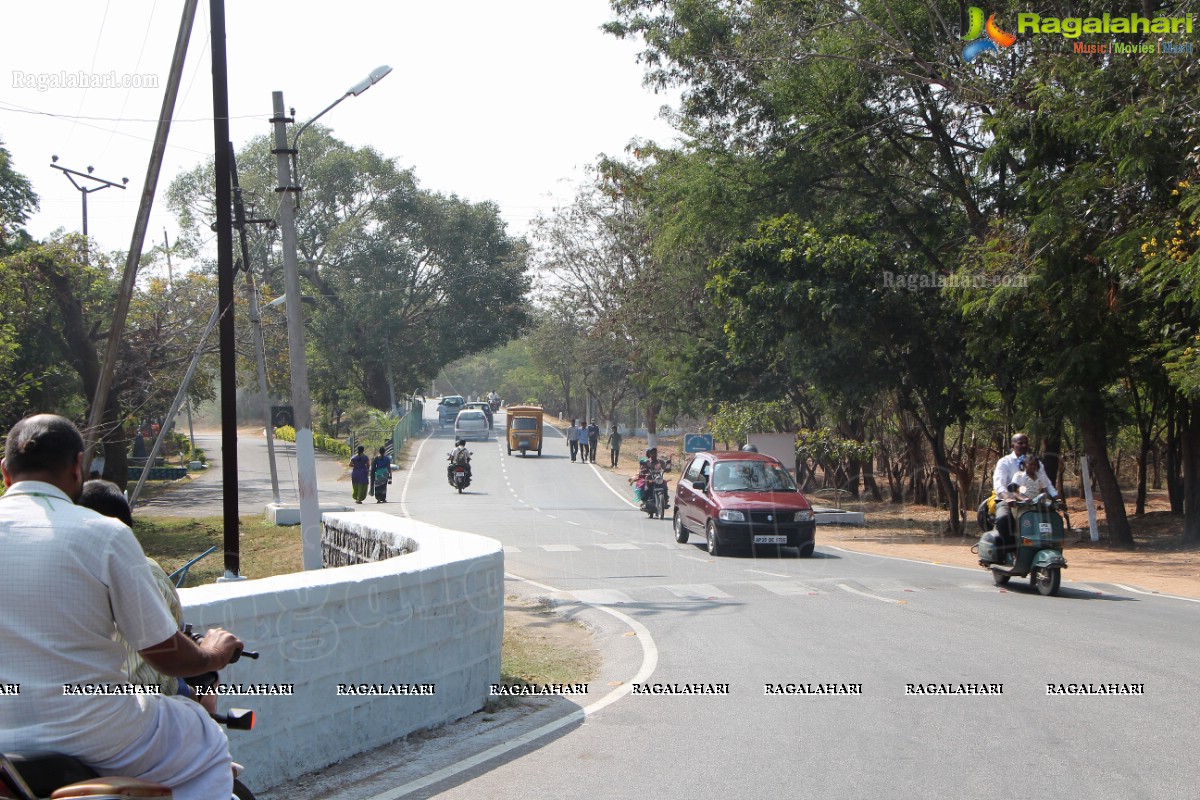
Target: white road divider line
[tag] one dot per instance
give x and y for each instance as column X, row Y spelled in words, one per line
column 852, row 590
column 772, row 574
column 649, row 664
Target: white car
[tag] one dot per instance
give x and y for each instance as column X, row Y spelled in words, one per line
column 471, row 423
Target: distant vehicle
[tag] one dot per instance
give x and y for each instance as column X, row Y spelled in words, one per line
column 486, row 408
column 448, row 408
column 523, row 429
column 742, row 499
column 471, row 423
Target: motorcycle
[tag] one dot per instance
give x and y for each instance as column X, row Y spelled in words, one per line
column 1039, row 534
column 37, row 776
column 458, row 477
column 655, row 493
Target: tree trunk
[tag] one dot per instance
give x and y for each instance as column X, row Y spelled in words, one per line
column 945, row 484
column 1094, row 427
column 1052, row 454
column 652, row 423
column 1139, row 507
column 1190, row 446
column 1174, row 467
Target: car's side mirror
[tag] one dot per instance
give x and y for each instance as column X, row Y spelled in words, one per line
column 699, row 485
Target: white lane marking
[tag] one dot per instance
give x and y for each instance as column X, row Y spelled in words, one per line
column 772, row 574
column 1157, row 594
column 618, row 545
column 511, row 549
column 901, row 558
column 601, row 597
column 560, row 548
column 696, row 591
column 701, row 560
column 852, row 590
column 602, row 533
column 666, row 545
column 649, row 664
column 571, row 522
column 786, row 589
column 412, row 468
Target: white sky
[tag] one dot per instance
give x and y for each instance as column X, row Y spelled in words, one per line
column 488, row 100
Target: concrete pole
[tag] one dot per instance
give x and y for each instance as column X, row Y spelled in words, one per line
column 306, row 462
column 260, row 357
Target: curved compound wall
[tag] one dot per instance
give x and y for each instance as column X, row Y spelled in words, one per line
column 354, row 657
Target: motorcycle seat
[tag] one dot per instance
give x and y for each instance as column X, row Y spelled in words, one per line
column 114, row 788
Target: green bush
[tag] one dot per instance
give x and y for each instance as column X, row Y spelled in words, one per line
column 320, row 441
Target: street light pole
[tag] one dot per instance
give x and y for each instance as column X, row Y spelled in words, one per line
column 306, row 462
column 85, row 191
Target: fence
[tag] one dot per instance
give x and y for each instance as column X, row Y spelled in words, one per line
column 409, row 425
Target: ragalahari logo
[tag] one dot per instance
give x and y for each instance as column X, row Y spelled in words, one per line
column 983, row 37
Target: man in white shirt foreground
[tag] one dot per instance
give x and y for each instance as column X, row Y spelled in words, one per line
column 69, row 578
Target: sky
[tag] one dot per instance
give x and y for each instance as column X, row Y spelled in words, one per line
column 507, row 102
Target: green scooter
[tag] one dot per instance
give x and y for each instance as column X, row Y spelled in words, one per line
column 1039, row 534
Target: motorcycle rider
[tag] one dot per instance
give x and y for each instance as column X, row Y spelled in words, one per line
column 460, row 456
column 71, row 579
column 1007, row 469
column 646, row 468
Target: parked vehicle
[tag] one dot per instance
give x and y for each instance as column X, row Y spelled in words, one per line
column 37, row 776
column 523, row 429
column 1037, row 551
column 448, row 408
column 471, row 423
column 742, row 499
column 486, row 408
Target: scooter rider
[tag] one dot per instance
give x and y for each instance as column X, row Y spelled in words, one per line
column 71, row 578
column 1003, row 477
column 460, row 455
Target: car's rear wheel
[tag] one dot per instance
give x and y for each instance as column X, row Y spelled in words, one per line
column 714, row 544
column 806, row 550
column 681, row 531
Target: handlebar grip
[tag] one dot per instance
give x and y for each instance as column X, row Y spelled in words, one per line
column 246, row 653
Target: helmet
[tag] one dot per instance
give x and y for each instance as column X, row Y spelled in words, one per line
column 749, row 448
column 461, row 443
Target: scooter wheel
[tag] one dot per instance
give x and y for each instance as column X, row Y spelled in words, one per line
column 240, row 791
column 1047, row 581
column 1000, row 579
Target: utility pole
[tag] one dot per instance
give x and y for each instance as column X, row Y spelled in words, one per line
column 224, row 226
column 125, row 295
column 84, row 191
column 306, row 461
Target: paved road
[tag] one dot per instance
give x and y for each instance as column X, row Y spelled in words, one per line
column 839, row 618
column 203, row 496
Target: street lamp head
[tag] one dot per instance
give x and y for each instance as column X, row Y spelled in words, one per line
column 375, row 77
column 53, row 159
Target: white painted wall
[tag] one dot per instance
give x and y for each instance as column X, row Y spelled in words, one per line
column 432, row 616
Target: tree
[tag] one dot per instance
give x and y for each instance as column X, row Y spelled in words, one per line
column 400, row 274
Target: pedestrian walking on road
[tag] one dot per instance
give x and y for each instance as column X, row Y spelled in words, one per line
column 573, row 440
column 381, row 475
column 614, row 445
column 360, row 475
column 593, row 437
column 583, row 443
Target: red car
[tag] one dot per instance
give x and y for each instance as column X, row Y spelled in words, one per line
column 742, row 499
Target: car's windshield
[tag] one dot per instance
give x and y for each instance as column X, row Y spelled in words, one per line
column 751, row 476
column 524, row 424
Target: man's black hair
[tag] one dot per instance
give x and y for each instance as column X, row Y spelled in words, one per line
column 42, row 443
column 106, row 498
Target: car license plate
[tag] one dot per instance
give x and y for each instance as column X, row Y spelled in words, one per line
column 770, row 540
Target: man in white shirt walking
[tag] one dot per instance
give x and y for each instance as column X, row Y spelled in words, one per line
column 69, row 579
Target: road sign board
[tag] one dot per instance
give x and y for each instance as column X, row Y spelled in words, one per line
column 697, row 442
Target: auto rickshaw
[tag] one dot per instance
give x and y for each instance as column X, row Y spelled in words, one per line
column 523, row 428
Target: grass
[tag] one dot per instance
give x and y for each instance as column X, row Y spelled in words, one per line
column 265, row 548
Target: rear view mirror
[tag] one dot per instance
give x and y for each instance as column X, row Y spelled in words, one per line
column 699, row 485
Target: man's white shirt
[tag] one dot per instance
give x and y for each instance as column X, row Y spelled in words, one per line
column 66, row 574
column 1007, row 469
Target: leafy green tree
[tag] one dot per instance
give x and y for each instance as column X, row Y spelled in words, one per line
column 405, row 280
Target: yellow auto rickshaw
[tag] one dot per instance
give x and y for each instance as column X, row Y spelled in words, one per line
column 523, row 425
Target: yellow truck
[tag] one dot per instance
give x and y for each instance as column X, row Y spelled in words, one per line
column 523, row 428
